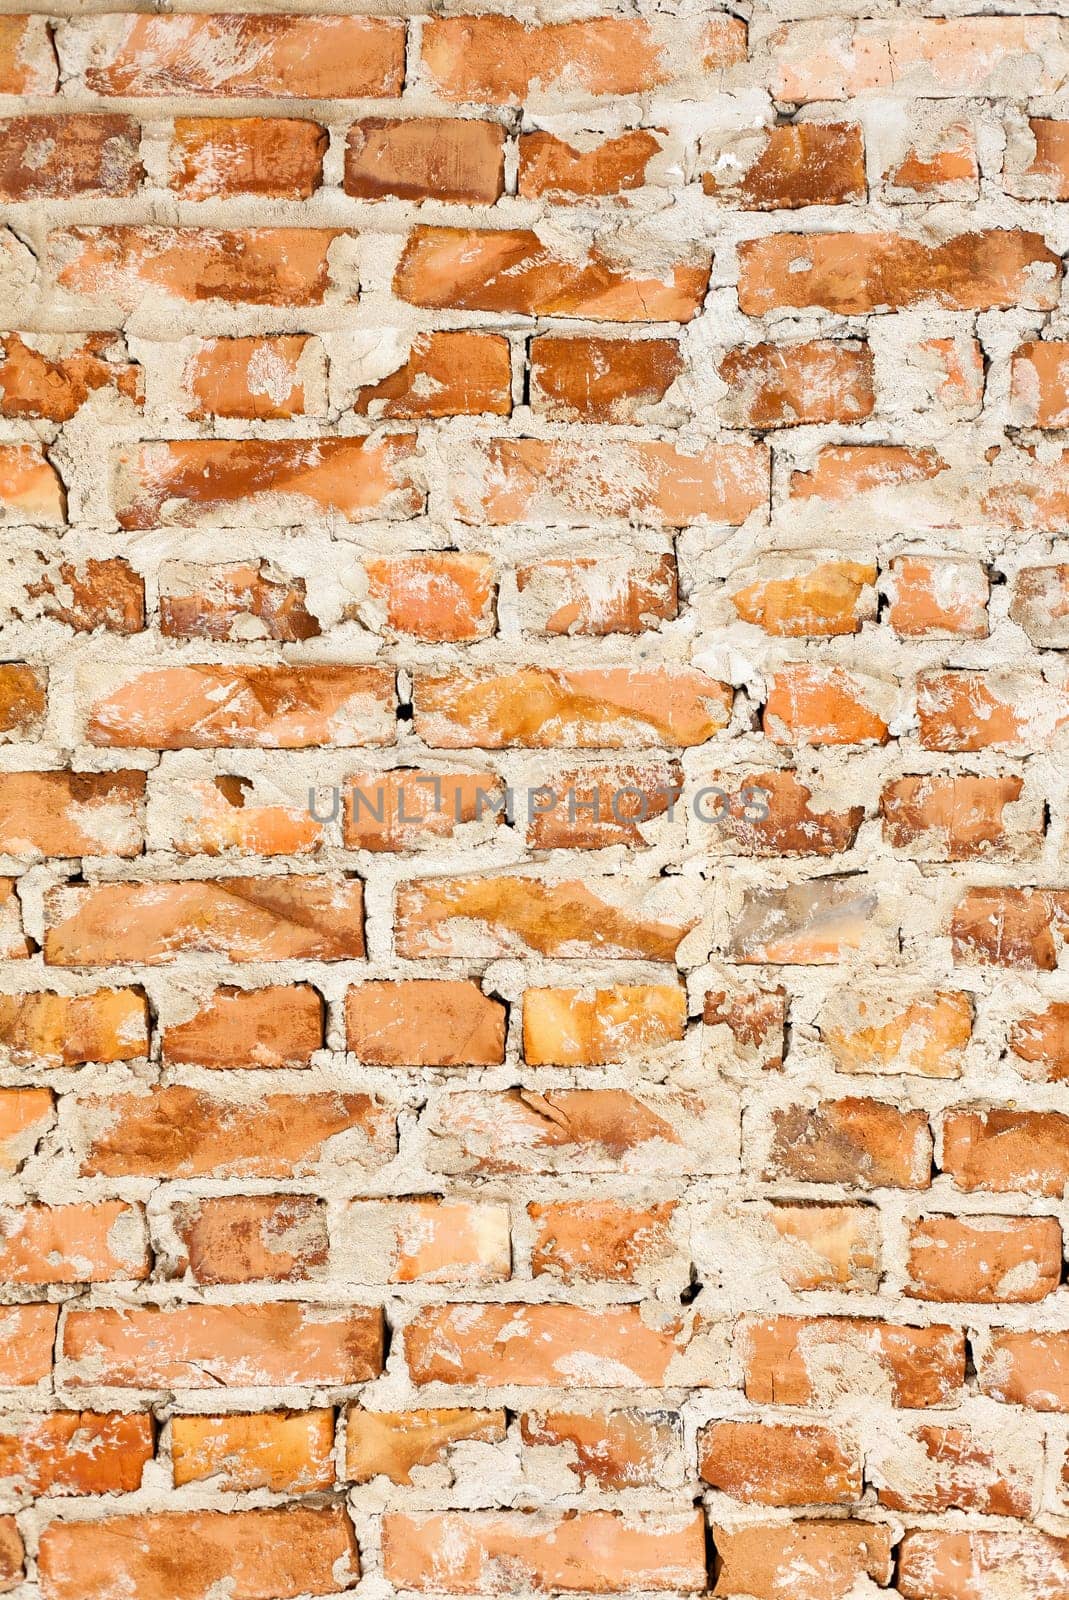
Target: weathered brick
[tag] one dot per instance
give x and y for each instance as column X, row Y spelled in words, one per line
column 52, row 378
column 276, row 1026
column 78, row 1243
column 425, row 158
column 779, row 1464
column 216, row 157
column 558, row 171
column 72, row 813
column 794, row 1361
column 425, row 1023
column 964, row 1564
column 445, row 375
column 391, row 1443
column 610, row 1450
column 601, row 380
column 985, row 1260
column 286, row 1452
column 76, row 1452
column 601, row 1240
column 798, row 164
column 54, row 157
column 813, row 1559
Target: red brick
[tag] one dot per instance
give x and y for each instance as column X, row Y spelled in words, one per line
column 256, row 377
column 782, row 1464
column 826, row 706
column 859, row 1142
column 433, row 595
column 236, row 603
column 943, row 1468
column 97, row 594
column 936, row 597
column 446, row 375
column 960, row 818
column 984, row 1260
column 1040, row 1043
column 30, row 487
column 609, row 1450
column 571, row 1027
column 72, row 813
column 810, row 1560
column 425, row 1241
column 783, row 386
column 252, row 1238
column 1046, row 177
column 25, row 1117
column 595, row 1241
column 1040, row 604
column 1025, row 1369
column 68, row 1030
column 425, row 158
column 53, row 157
column 1007, row 1151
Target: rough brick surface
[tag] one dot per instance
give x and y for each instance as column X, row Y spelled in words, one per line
column 534, row 800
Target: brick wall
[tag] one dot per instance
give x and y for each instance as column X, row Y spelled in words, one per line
column 656, row 1188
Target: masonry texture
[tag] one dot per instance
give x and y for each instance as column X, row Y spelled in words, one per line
column 661, row 1189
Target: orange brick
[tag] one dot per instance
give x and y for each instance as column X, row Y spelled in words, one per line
column 425, row 1023
column 984, row 1260
column 81, row 1243
column 29, row 1336
column 284, row 1551
column 426, row 1241
column 595, row 1241
column 783, row 386
column 591, row 595
column 288, row 708
column 822, row 601
column 964, row 1565
column 446, row 375
column 833, row 58
column 239, row 602
column 257, row 377
column 1002, row 710
column 568, row 1027
column 747, row 1025
column 585, row 709
column 825, row 706
column 879, row 1031
column 599, row 1552
column 461, row 269
column 860, row 1142
column 246, row 56
column 76, row 1452
column 811, row 1560
column 1025, row 1369
column 952, row 1467
column 579, row 1347
column 30, row 487
column 277, row 1026
column 498, row 916
column 798, row 164
column 177, row 1132
column 774, row 813
column 1008, row 928
column 96, row 594
column 1040, row 604
column 72, row 813
column 12, row 1554
column 390, row 1444
column 782, row 1464
column 59, row 157
column 610, row 1450
column 216, row 157
column 960, row 818
column 601, row 380
column 936, row 597
column 792, row 1361
column 119, row 267
column 1007, row 1151
column 227, row 1346
column 25, row 1117
column 23, row 693
column 433, row 595
column 286, row 1452
column 550, row 481
column 52, row 379
column 1040, row 1043
column 941, row 166
column 220, row 481
column 855, row 273
column 27, row 57
column 68, row 1030
column 558, row 171
column 425, row 158
column 596, row 806
column 829, row 1246
column 816, row 923
column 499, row 61
column 252, row 1238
